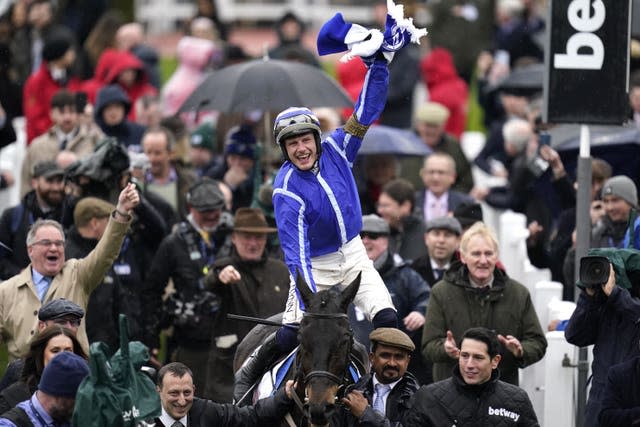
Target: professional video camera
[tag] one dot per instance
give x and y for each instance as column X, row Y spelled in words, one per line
column 594, row 271
column 98, row 174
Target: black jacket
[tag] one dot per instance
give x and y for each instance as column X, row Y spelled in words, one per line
column 14, row 394
column 621, row 397
column 186, row 264
column 398, row 403
column 453, row 402
column 610, row 324
column 266, row 412
column 14, row 226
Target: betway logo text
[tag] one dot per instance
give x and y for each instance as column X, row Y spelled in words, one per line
column 501, row 412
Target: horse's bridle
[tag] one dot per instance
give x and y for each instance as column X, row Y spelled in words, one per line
column 322, row 374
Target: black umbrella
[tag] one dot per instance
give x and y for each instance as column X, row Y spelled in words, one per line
column 268, row 85
column 524, row 81
column 389, row 140
column 618, row 145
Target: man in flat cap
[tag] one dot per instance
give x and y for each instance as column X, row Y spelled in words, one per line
column 429, row 123
column 442, row 237
column 385, row 393
column 59, row 311
column 186, row 256
column 248, row 282
column 409, row 293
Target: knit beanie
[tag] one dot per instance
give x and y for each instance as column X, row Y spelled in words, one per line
column 56, row 45
column 621, row 186
column 241, row 141
column 63, row 374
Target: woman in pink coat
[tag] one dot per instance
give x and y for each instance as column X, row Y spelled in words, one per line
column 194, row 56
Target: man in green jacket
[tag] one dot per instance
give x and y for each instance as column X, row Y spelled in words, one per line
column 474, row 293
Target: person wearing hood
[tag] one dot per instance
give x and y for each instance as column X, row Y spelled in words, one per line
column 475, row 293
column 124, row 69
column 112, row 107
column 58, row 56
column 446, row 88
column 194, row 57
column 290, row 29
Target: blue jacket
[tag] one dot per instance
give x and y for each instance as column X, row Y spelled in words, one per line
column 317, row 214
column 36, row 413
column 611, row 325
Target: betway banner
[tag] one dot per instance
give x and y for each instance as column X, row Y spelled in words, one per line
column 587, row 61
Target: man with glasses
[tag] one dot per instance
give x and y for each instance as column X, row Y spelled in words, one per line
column 409, row 292
column 46, row 200
column 50, row 275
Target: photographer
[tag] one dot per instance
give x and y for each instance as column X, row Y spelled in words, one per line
column 606, row 316
column 186, row 256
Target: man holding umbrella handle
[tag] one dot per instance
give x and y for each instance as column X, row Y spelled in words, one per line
column 315, row 198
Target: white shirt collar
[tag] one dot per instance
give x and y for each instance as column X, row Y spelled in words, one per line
column 168, row 420
column 391, row 385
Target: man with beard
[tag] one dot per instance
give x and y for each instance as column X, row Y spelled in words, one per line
column 52, row 404
column 620, row 199
column 47, row 200
column 385, row 393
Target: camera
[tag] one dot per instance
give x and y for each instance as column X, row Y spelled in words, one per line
column 594, row 271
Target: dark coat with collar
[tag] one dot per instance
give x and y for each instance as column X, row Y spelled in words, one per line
column 398, row 403
column 261, row 292
column 610, row 324
column 453, row 402
column 266, row 412
column 506, row 308
column 621, row 396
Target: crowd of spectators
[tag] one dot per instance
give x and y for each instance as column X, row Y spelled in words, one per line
column 130, row 206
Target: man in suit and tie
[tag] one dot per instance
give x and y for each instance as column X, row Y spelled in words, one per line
column 437, row 199
column 442, row 237
column 180, row 407
column 385, row 393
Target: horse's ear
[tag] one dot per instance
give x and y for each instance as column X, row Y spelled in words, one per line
column 304, row 290
column 349, row 293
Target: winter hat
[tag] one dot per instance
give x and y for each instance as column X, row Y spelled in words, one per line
column 468, row 214
column 432, row 113
column 241, row 141
column 203, row 137
column 63, row 374
column 205, row 195
column 621, row 186
column 444, row 223
column 373, row 224
column 56, row 45
column 59, row 307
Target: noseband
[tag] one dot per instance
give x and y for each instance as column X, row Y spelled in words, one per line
column 339, row 381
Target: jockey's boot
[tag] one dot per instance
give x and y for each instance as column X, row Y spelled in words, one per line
column 257, row 364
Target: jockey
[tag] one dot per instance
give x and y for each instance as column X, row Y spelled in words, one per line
column 315, row 198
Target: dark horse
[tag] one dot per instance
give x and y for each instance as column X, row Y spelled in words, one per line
column 323, row 357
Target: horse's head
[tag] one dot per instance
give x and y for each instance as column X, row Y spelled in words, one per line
column 325, row 345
